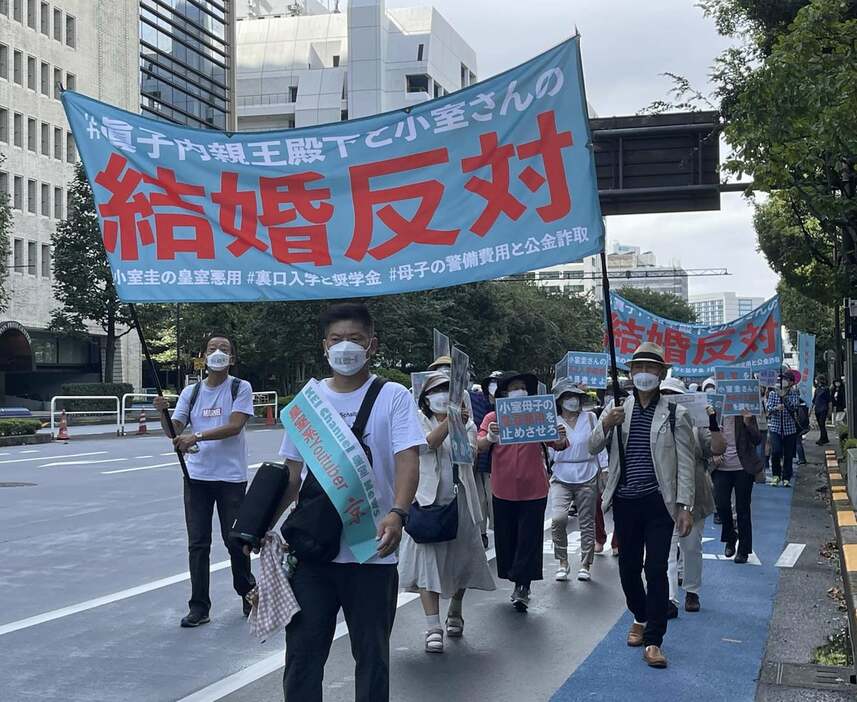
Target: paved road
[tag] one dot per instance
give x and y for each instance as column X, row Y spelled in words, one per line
column 94, row 583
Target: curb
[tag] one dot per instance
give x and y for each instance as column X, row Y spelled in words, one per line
column 845, row 524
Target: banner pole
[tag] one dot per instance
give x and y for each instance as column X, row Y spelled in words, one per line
column 611, row 343
column 166, row 413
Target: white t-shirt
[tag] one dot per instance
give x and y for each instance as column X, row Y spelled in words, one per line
column 575, row 464
column 224, row 459
column 393, row 426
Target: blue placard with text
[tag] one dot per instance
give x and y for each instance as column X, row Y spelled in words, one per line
column 527, row 420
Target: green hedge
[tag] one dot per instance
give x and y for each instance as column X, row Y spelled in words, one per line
column 112, row 389
column 395, row 375
column 19, row 427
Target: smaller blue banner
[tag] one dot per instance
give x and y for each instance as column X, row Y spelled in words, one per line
column 740, row 395
column 527, row 420
column 584, row 368
column 806, row 354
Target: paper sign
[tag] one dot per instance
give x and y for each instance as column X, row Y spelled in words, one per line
column 740, row 395
column 462, row 450
column 417, row 382
column 695, row 403
column 584, row 368
column 526, row 420
column 542, row 388
column 440, row 344
column 768, row 377
column 459, row 376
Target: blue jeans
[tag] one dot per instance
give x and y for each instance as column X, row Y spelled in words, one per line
column 782, row 449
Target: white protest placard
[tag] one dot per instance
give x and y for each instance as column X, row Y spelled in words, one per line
column 695, row 403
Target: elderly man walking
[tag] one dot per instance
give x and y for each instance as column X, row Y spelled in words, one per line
column 651, row 495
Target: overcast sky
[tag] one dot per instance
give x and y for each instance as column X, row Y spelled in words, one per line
column 627, row 45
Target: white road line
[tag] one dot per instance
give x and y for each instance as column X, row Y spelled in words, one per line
column 789, row 556
column 168, row 453
column 137, row 458
column 30, row 451
column 275, row 661
column 131, row 470
column 100, row 601
column 82, row 463
column 42, row 458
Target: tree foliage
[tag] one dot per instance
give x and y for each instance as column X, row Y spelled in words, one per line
column 83, row 283
column 663, row 304
column 801, row 313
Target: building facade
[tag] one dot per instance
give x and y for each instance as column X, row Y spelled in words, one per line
column 85, row 45
column 719, row 308
column 302, row 64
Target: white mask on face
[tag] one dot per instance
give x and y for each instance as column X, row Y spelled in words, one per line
column 439, row 402
column 646, row 381
column 492, row 389
column 572, row 404
column 217, row 360
column 346, row 357
column 517, row 393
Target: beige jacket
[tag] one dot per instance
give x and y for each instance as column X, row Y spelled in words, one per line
column 673, row 456
column 432, row 461
column 703, row 489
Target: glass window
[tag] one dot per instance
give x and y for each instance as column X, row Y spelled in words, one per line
column 4, row 7
column 18, row 129
column 335, row 61
column 58, row 143
column 420, row 52
column 31, row 72
column 293, row 93
column 70, row 31
column 417, row 84
column 58, row 198
column 31, row 134
column 57, row 82
column 70, row 151
column 45, row 19
column 4, row 183
column 18, row 193
column 46, row 139
column 71, row 81
column 31, row 14
column 73, row 351
column 18, row 255
column 32, row 263
column 4, row 124
column 4, row 61
column 44, row 347
column 18, row 68
column 46, row 79
column 46, row 261
column 16, row 10
column 57, row 24
column 46, row 200
column 31, row 196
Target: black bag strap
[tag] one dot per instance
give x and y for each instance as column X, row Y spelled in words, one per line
column 194, row 395
column 672, row 410
column 359, row 426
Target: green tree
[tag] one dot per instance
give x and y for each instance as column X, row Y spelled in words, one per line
column 83, row 283
column 801, row 313
column 663, row 304
column 5, row 245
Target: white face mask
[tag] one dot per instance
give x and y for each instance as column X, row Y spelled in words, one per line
column 217, row 360
column 646, row 381
column 572, row 404
column 517, row 393
column 492, row 389
column 346, row 357
column 439, row 402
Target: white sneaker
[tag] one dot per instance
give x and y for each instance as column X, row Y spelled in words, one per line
column 583, row 574
column 562, row 573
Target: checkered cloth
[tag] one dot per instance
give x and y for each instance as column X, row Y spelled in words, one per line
column 273, row 601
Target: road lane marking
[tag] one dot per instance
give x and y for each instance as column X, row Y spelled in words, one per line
column 42, row 458
column 137, row 458
column 82, row 463
column 270, row 664
column 131, row 470
column 789, row 556
column 30, row 451
column 104, row 600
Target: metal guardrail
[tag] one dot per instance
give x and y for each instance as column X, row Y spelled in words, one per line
column 267, row 393
column 125, row 408
column 112, row 398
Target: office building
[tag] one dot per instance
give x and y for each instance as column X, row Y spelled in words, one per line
column 719, row 308
column 85, row 45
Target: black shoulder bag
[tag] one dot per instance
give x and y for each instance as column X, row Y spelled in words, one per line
column 313, row 530
column 435, row 523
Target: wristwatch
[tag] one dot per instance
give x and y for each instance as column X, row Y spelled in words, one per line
column 685, row 508
column 403, row 515
column 198, row 436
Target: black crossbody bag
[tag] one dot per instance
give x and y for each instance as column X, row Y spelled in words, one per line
column 313, row 530
column 436, row 523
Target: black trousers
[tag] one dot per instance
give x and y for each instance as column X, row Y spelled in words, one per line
column 200, row 497
column 519, row 528
column 783, row 448
column 821, row 417
column 367, row 596
column 644, row 525
column 741, row 482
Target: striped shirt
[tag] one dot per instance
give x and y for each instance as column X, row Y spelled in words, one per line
column 639, row 479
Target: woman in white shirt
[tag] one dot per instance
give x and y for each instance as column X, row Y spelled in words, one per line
column 448, row 568
column 574, row 481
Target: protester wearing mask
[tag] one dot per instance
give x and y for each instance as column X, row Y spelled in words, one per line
column 519, row 482
column 445, row 569
column 821, row 403
column 708, row 442
column 366, row 592
column 482, row 403
column 782, row 407
column 216, row 457
column 652, row 496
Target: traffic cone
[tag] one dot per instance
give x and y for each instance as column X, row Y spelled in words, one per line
column 63, row 432
column 141, row 426
column 269, row 418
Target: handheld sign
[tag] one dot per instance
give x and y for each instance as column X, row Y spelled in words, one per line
column 458, row 377
column 695, row 403
column 584, row 368
column 717, row 402
column 462, row 450
column 527, row 420
column 417, row 382
column 768, row 377
column 732, row 373
column 440, row 344
column 740, row 395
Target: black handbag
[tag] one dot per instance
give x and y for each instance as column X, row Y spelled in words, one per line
column 313, row 530
column 436, row 523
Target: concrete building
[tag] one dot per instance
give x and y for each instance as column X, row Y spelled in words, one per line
column 719, row 308
column 301, row 64
column 89, row 46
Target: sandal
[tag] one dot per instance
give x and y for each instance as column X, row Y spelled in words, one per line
column 434, row 640
column 454, row 626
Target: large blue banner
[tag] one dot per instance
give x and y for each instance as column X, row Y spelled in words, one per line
column 495, row 179
column 752, row 341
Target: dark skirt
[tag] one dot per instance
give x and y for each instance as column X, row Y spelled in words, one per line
column 519, row 527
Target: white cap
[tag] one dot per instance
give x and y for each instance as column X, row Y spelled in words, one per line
column 674, row 385
column 709, row 381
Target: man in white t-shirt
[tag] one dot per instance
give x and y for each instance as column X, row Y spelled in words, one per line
column 365, row 592
column 216, row 458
